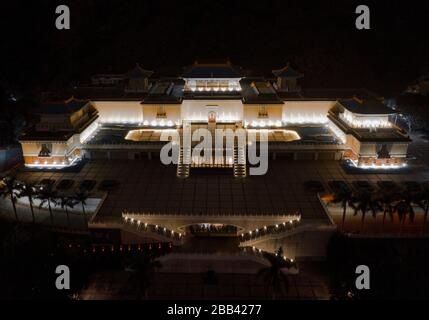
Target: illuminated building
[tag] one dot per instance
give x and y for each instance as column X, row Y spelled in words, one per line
column 123, row 116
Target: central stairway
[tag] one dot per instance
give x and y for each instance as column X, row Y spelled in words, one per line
column 184, row 161
column 240, row 168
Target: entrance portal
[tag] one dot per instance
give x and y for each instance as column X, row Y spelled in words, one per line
column 212, row 230
column 212, row 117
column 211, row 238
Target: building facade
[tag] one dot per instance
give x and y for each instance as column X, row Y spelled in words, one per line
column 124, row 116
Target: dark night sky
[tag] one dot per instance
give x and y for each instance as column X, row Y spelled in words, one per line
column 319, row 37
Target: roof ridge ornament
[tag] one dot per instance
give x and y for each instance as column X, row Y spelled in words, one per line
column 287, row 72
column 359, row 100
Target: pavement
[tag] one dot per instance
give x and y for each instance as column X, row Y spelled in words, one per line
column 310, row 284
column 147, row 186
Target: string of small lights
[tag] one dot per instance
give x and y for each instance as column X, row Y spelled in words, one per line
column 143, row 226
column 260, row 253
column 118, row 248
column 272, row 229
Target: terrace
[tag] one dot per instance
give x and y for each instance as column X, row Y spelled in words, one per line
column 149, row 186
column 120, row 134
column 289, row 187
column 371, row 134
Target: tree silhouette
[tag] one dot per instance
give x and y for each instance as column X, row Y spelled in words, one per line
column 344, row 197
column 8, row 189
column 364, row 201
column 81, row 196
column 404, row 208
column 422, row 200
column 142, row 267
column 65, row 203
column 47, row 195
column 387, row 199
column 273, row 275
column 29, row 191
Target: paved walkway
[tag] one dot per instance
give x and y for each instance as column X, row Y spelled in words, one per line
column 310, row 284
column 149, row 186
column 210, row 244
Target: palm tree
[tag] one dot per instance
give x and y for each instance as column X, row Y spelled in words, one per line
column 65, row 203
column 81, row 196
column 47, row 194
column 404, row 207
column 7, row 189
column 387, row 199
column 344, row 197
column 273, row 275
column 422, row 200
column 364, row 201
column 143, row 266
column 426, row 209
column 28, row 190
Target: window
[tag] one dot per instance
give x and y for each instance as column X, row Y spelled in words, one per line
column 160, row 112
column 262, row 112
column 383, row 151
column 45, row 150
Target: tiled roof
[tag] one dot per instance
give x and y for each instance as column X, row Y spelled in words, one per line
column 212, row 70
column 287, row 72
column 166, row 91
column 257, row 90
column 335, row 93
column 139, row 72
column 62, row 107
column 365, row 106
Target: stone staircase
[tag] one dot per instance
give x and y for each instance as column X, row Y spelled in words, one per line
column 139, row 228
column 240, row 168
column 154, row 232
column 184, row 161
column 254, row 237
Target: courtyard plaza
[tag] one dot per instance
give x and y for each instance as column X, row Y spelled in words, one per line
column 147, row 186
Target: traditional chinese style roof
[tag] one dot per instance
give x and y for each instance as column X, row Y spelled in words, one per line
column 138, row 73
column 287, row 72
column 68, row 106
column 368, row 105
column 206, row 70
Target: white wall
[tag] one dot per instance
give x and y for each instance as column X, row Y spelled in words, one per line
column 59, row 148
column 365, row 121
column 396, row 149
column 119, row 111
column 226, row 110
column 274, row 113
column 86, row 134
column 172, row 112
column 399, row 150
column 306, row 111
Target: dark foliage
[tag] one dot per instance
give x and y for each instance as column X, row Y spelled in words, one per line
column 398, row 268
